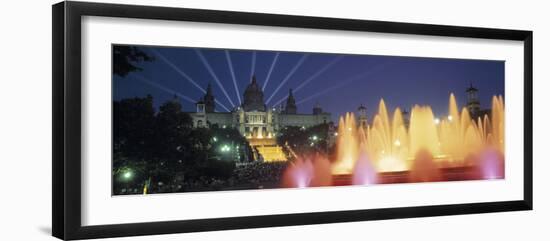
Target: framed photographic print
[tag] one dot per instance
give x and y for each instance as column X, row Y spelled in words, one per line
column 170, row 120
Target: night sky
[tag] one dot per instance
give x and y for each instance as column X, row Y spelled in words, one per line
column 339, row 83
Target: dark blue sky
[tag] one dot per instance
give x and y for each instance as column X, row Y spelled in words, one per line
column 340, row 83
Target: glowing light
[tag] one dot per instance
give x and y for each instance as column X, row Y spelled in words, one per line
column 215, row 139
column 391, row 164
column 183, row 74
column 300, row 62
column 180, row 71
column 308, row 173
column 317, row 74
column 225, row 148
column 364, row 173
column 397, row 143
column 422, row 147
column 299, row 174
column 346, row 145
column 230, row 64
column 169, row 91
column 213, row 74
column 314, row 138
column 492, row 165
column 271, row 70
column 160, row 87
column 253, row 66
column 127, row 175
column 342, row 84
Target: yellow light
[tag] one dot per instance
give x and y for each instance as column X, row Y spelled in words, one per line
column 437, row 121
column 450, row 118
column 391, row 164
column 397, row 143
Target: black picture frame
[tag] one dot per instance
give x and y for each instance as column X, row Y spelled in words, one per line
column 66, row 196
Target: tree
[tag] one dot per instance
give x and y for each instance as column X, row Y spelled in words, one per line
column 304, row 141
column 133, row 128
column 151, row 147
column 172, row 147
column 125, row 57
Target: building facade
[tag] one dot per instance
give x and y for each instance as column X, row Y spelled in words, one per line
column 254, row 120
column 473, row 104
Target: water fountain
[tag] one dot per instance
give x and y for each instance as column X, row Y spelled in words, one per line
column 308, row 172
column 428, row 149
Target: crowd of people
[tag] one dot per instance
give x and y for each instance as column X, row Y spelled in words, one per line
column 259, row 173
column 252, row 175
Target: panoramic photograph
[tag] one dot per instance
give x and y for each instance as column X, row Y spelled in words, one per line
column 188, row 119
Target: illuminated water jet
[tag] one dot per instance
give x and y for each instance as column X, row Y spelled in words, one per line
column 491, row 164
column 307, row 172
column 424, row 169
column 346, row 145
column 424, row 149
column 364, row 172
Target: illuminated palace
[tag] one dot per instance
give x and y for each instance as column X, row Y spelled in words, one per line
column 254, row 120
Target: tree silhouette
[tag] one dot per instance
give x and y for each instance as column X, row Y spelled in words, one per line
column 125, row 58
column 304, row 140
column 164, row 152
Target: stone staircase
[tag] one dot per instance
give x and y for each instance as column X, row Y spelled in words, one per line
column 268, row 148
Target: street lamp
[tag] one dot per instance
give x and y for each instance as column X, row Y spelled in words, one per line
column 127, row 175
column 225, row 148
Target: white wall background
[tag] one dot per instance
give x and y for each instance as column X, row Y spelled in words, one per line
column 25, row 119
